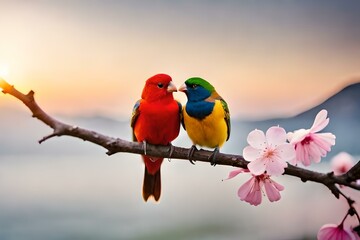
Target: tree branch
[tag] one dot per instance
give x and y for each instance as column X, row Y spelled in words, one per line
column 116, row 145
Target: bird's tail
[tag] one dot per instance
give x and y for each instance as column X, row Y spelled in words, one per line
column 152, row 178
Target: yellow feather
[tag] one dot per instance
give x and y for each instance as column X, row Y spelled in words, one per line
column 208, row 132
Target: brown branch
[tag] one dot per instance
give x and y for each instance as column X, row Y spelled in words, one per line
column 354, row 173
column 116, row 145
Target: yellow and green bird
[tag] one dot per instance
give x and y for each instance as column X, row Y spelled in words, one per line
column 206, row 116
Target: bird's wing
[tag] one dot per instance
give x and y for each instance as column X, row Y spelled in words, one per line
column 227, row 117
column 215, row 96
column 134, row 116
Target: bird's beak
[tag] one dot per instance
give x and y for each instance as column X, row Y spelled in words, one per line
column 183, row 88
column 171, row 87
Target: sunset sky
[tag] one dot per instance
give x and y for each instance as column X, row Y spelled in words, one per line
column 266, row 58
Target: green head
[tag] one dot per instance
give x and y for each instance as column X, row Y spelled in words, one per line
column 197, row 89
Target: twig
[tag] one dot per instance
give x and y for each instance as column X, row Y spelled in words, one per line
column 116, row 145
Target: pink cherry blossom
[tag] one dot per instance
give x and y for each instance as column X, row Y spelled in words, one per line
column 252, row 190
column 335, row 232
column 268, row 153
column 311, row 145
column 341, row 163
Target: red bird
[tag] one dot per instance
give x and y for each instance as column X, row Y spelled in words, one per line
column 155, row 120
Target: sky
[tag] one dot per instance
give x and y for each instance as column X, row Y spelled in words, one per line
column 265, row 58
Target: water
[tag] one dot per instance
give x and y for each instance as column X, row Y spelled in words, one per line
column 69, row 189
column 99, row 197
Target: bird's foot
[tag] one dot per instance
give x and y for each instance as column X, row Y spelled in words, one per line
column 171, row 150
column 212, row 157
column 191, row 153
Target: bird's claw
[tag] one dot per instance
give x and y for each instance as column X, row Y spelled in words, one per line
column 171, row 150
column 191, row 153
column 212, row 157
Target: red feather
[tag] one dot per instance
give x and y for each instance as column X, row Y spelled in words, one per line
column 156, row 120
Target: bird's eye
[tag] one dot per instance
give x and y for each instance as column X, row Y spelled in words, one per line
column 160, row 85
column 193, row 86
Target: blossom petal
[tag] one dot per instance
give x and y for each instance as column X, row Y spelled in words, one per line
column 290, row 136
column 323, row 143
column 315, row 152
column 298, row 135
column 234, row 173
column 245, row 189
column 302, row 154
column 256, row 139
column 320, row 122
column 329, row 138
column 307, row 159
column 286, row 152
column 271, row 191
column 250, row 191
column 293, row 161
column 326, row 231
column 251, row 154
column 255, row 197
column 276, row 136
column 257, row 167
column 275, row 166
column 334, row 232
column 299, row 152
column 277, row 185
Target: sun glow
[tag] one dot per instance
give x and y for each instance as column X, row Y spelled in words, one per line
column 4, row 71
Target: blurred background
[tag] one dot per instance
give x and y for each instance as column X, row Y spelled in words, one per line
column 274, row 62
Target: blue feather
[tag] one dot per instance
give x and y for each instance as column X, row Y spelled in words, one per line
column 199, row 110
column 197, row 94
